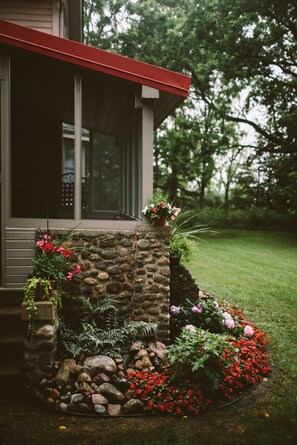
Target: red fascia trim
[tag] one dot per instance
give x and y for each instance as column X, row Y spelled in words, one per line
column 95, row 59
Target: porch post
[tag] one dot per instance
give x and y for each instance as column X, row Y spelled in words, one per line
column 77, row 145
column 5, row 156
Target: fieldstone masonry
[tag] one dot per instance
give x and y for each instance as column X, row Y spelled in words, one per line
column 41, row 350
column 132, row 267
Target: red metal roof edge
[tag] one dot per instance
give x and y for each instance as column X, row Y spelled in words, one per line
column 94, row 58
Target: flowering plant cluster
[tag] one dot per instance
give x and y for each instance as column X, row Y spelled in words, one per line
column 206, row 314
column 160, row 210
column 250, row 363
column 200, row 356
column 53, row 260
column 203, row 366
column 160, row 394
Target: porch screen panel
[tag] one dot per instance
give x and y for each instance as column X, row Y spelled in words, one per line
column 101, row 174
column 41, row 101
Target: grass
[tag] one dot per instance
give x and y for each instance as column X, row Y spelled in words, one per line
column 258, row 272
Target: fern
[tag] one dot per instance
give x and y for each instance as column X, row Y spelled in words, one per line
column 99, row 331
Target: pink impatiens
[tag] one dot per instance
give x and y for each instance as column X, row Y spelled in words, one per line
column 248, row 331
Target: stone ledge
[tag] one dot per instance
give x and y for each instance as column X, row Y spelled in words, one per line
column 45, row 311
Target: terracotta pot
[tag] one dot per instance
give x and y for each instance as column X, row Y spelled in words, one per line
column 39, row 291
column 161, row 221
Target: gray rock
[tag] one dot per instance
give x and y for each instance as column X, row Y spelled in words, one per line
column 63, row 407
column 99, row 363
column 46, row 331
column 77, row 398
column 143, row 244
column 133, row 406
column 84, row 408
column 108, row 254
column 113, row 394
column 65, row 398
column 100, row 409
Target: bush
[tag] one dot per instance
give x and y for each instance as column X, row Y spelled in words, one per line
column 247, row 219
column 199, row 356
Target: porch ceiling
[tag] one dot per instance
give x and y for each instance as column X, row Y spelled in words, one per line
column 117, row 69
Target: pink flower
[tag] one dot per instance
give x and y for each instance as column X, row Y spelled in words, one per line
column 190, row 328
column 229, row 323
column 77, row 270
column 70, row 276
column 248, row 331
column 197, row 309
column 174, row 310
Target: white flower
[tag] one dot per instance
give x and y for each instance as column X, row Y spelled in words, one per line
column 248, row 331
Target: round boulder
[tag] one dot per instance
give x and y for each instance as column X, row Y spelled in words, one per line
column 100, row 363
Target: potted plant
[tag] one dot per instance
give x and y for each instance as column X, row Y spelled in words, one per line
column 185, row 236
column 159, row 211
column 52, row 268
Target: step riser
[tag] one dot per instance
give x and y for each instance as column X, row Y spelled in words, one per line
column 11, row 297
column 12, row 330
column 10, row 351
column 12, row 324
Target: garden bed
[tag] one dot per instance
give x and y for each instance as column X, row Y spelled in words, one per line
column 217, row 355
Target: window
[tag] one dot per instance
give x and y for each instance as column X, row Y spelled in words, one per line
column 100, row 174
column 77, row 166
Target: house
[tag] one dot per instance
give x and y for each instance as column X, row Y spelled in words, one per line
column 77, row 128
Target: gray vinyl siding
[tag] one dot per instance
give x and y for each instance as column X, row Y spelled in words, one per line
column 19, row 245
column 36, row 14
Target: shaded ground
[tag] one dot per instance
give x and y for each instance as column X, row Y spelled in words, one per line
column 245, row 422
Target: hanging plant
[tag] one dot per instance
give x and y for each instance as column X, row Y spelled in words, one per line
column 38, row 288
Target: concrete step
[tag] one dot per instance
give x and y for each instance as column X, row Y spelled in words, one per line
column 11, row 368
column 11, row 297
column 10, row 319
column 11, row 346
column 12, row 336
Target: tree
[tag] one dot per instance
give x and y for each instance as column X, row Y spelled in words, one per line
column 241, row 56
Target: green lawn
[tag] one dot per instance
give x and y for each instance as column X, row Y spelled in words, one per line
column 258, row 272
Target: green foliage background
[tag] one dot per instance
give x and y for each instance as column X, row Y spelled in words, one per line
column 233, row 143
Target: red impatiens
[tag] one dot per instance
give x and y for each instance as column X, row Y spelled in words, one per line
column 244, row 363
column 161, row 395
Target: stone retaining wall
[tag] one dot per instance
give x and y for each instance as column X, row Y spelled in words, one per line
column 131, row 267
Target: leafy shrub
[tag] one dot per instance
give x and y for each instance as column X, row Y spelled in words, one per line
column 251, row 218
column 198, row 355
